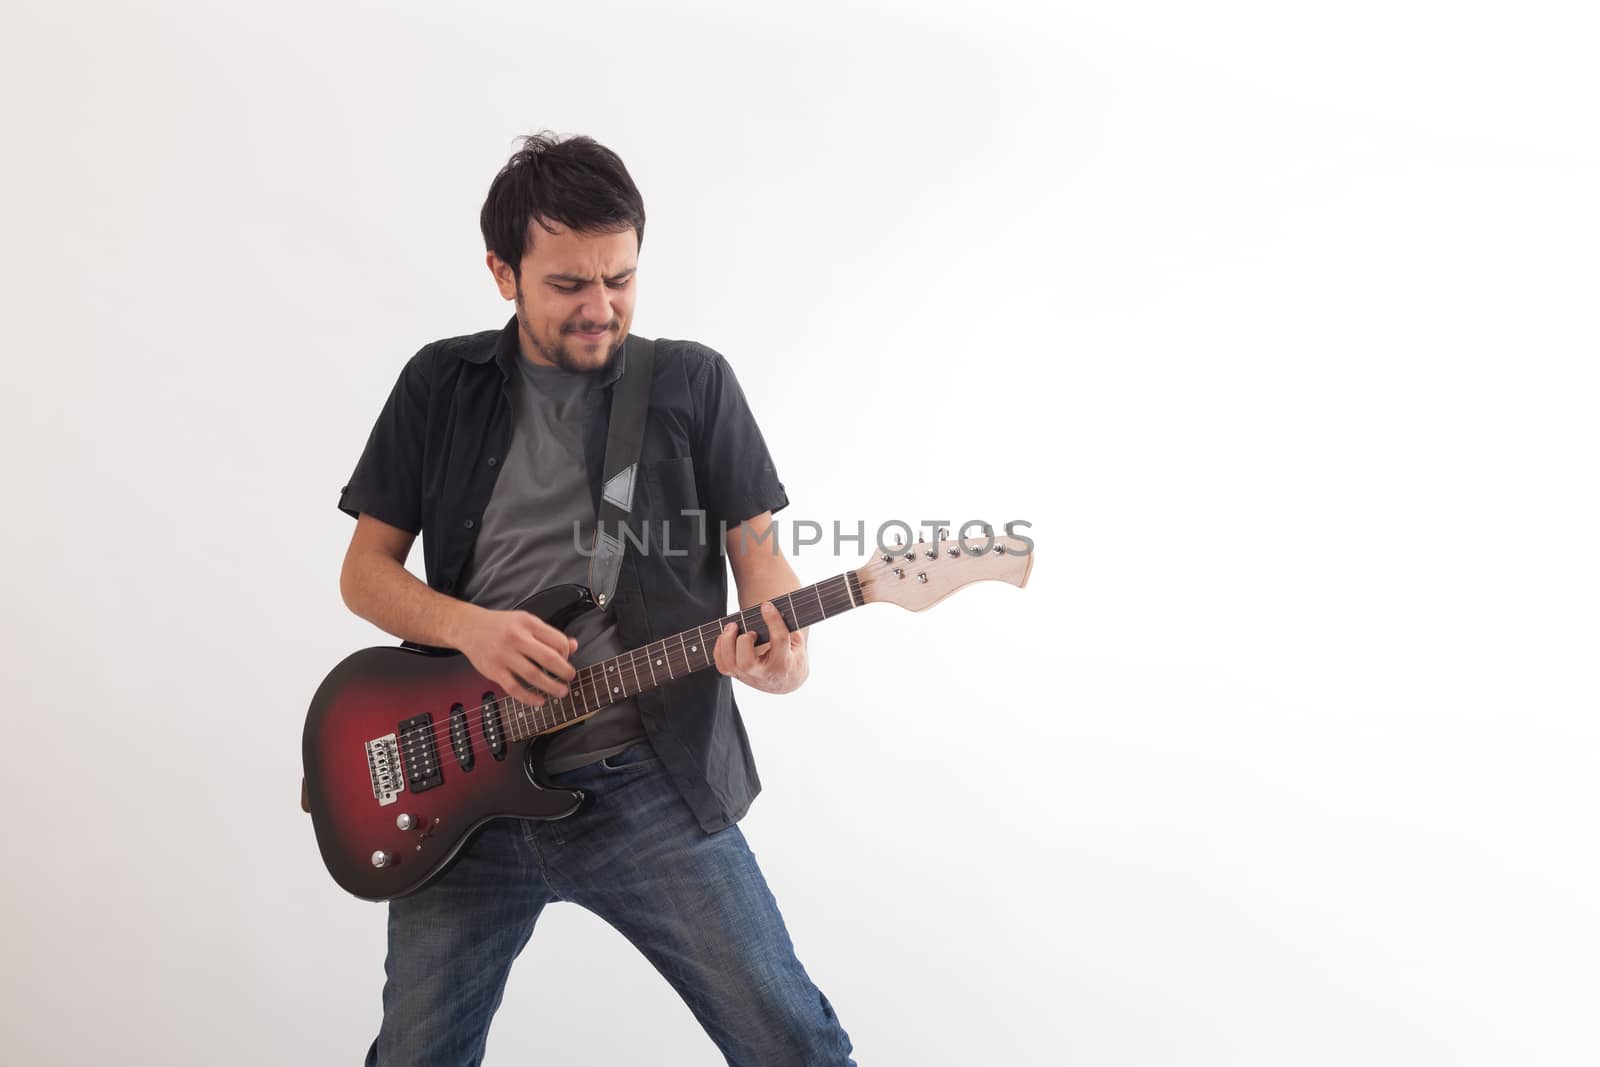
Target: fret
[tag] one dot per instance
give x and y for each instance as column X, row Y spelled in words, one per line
column 581, row 701
column 599, row 685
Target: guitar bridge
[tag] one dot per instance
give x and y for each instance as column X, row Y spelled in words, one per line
column 383, row 761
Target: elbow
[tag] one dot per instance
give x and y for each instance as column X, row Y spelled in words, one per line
column 349, row 584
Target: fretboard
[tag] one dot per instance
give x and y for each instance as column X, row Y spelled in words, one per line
column 608, row 681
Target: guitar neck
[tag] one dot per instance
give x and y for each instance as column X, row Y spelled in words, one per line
column 608, row 681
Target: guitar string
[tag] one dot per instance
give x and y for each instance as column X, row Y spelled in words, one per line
column 832, row 601
column 541, row 720
column 544, row 721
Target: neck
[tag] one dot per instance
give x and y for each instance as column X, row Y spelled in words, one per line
column 608, row 681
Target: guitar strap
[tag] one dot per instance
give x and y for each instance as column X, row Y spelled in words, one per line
column 630, row 397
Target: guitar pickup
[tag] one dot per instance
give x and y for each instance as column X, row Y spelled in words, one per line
column 419, row 752
column 460, row 737
column 494, row 734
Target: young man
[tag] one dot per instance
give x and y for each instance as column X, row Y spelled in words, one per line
column 490, row 445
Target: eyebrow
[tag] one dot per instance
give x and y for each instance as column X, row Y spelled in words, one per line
column 580, row 279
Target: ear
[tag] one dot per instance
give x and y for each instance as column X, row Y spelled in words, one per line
column 503, row 278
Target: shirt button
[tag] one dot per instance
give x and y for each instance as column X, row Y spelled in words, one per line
column 468, row 524
column 491, row 461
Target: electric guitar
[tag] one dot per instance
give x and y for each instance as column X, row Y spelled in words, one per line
column 408, row 751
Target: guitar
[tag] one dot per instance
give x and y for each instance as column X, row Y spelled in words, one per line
column 408, row 750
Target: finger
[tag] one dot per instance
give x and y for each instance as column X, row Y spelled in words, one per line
column 744, row 655
column 543, row 631
column 777, row 658
column 539, row 679
column 516, row 688
column 548, row 656
column 722, row 651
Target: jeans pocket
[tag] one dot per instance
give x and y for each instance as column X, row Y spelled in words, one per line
column 632, row 756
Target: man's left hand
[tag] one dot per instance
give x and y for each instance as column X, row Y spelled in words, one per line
column 779, row 666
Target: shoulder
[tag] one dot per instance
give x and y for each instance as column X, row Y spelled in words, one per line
column 691, row 361
column 439, row 360
column 472, row 348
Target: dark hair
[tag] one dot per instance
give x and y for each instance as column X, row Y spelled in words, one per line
column 576, row 182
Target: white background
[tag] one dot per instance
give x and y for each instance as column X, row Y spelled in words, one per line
column 1276, row 321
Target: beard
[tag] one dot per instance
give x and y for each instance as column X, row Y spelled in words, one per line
column 569, row 357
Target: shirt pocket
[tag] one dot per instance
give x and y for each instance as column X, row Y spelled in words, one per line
column 675, row 525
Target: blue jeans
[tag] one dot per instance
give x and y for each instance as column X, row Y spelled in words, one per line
column 694, row 903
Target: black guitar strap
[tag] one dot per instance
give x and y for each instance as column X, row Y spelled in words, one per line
column 630, row 397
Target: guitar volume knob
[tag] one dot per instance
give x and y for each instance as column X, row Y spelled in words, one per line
column 405, row 821
column 381, row 859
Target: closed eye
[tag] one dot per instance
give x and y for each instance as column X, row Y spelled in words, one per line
column 570, row 289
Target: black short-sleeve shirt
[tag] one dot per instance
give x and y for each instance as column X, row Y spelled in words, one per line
column 429, row 467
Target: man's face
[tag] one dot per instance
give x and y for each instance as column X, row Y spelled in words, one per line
column 572, row 283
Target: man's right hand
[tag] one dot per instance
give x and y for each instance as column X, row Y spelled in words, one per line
column 515, row 649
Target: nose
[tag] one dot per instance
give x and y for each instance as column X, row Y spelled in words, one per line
column 595, row 314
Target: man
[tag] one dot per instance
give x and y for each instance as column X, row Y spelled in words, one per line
column 491, row 445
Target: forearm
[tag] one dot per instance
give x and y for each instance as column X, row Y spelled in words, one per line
column 380, row 590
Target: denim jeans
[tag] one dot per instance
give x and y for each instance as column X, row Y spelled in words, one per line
column 694, row 903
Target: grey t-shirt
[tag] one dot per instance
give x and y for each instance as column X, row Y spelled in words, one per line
column 526, row 542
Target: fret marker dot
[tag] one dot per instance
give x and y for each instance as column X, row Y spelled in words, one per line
column 614, row 689
column 694, row 648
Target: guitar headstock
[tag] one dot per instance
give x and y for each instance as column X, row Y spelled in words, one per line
column 920, row 575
